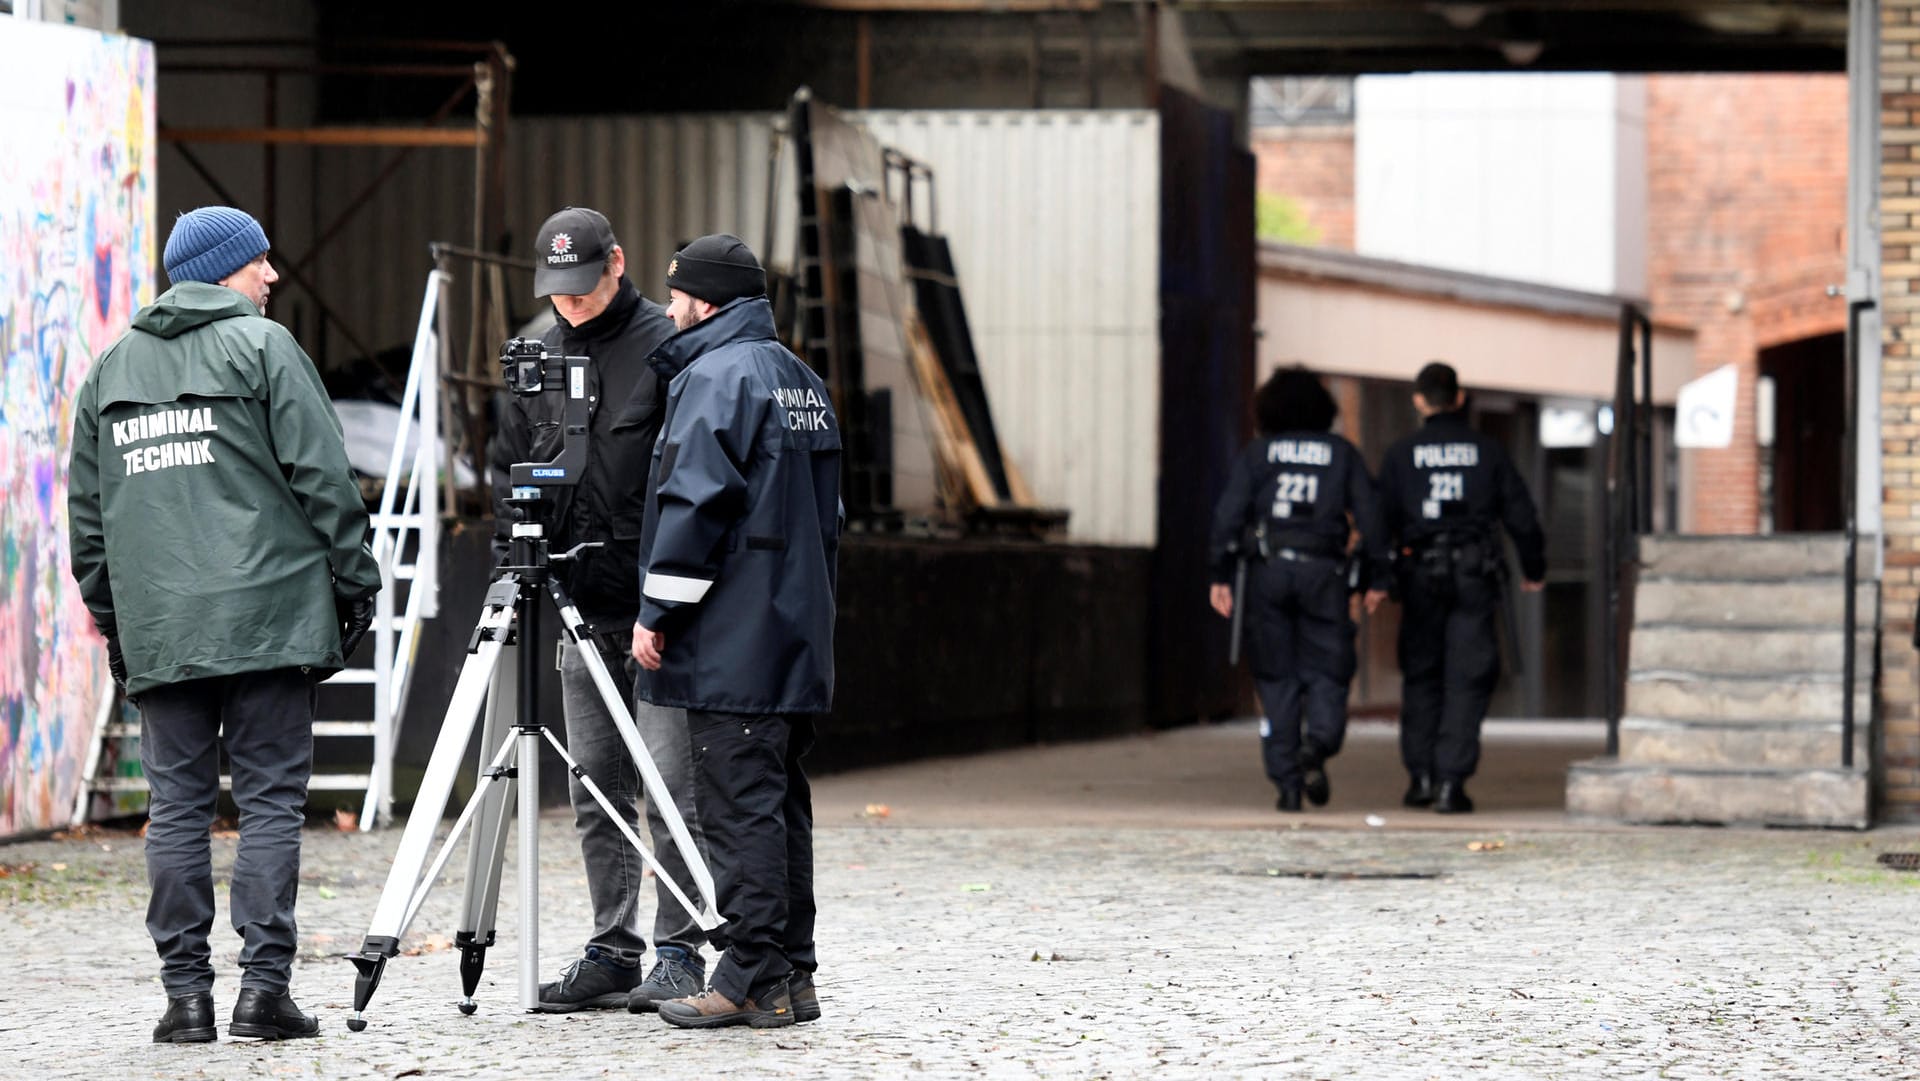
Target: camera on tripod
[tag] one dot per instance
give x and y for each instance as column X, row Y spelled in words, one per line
column 529, row 368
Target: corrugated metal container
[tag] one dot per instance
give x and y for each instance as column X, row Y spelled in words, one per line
column 1053, row 217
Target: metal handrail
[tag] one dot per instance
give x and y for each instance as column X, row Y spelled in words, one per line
column 1629, row 481
column 1849, row 501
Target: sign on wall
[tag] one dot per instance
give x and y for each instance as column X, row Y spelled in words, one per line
column 76, row 258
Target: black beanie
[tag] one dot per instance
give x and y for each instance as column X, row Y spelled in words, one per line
column 717, row 269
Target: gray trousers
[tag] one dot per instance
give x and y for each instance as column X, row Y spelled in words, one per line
column 268, row 719
column 614, row 870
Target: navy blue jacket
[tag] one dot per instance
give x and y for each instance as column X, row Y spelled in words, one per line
column 1301, row 487
column 741, row 540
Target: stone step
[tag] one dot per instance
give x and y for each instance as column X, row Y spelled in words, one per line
column 1684, row 698
column 1810, row 602
column 1743, row 651
column 1793, row 555
column 1609, row 790
column 1777, row 744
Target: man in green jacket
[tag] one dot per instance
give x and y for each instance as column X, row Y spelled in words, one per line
column 220, row 542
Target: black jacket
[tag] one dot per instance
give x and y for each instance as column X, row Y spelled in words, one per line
column 1448, row 478
column 742, row 540
column 1300, row 486
column 607, row 504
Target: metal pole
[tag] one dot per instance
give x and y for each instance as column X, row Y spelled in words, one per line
column 1643, row 430
column 1849, row 458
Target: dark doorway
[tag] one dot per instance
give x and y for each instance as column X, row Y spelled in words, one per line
column 1809, row 417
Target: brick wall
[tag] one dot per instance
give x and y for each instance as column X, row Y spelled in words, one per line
column 1313, row 166
column 1899, row 756
column 1746, row 208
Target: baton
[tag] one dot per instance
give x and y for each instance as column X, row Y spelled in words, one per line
column 1510, row 615
column 1239, row 610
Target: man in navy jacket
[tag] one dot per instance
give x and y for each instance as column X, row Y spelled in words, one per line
column 737, row 566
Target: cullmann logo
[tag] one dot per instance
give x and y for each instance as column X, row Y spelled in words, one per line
column 550, row 473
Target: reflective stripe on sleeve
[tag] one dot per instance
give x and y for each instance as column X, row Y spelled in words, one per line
column 672, row 587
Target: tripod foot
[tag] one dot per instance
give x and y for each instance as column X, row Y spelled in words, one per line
column 371, row 962
column 468, row 1007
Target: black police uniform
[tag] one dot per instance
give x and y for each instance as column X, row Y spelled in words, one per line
column 1446, row 490
column 1285, row 510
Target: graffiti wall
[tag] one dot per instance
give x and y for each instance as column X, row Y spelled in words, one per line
column 76, row 260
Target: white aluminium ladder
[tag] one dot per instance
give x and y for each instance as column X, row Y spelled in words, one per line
column 406, row 544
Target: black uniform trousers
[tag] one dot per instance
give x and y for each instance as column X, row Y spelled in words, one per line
column 1449, row 661
column 756, row 810
column 268, row 733
column 1302, row 656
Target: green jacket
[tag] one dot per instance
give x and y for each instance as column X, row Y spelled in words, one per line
column 213, row 516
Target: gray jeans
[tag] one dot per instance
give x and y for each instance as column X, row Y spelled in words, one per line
column 269, row 739
column 614, row 870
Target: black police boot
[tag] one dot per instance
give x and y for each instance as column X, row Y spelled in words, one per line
column 1420, row 792
column 189, row 1019
column 267, row 1016
column 1451, row 799
column 1289, row 801
column 1313, row 773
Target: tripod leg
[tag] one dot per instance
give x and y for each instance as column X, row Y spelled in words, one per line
column 487, row 848
column 649, row 773
column 706, row 922
column 529, row 870
column 396, row 897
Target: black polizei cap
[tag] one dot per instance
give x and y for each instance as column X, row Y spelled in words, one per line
column 717, row 269
column 571, row 250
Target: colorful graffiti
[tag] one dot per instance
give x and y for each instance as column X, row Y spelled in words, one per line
column 76, row 261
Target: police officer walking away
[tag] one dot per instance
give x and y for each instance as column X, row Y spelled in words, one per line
column 1293, row 500
column 736, row 620
column 1446, row 490
column 601, row 315
column 219, row 541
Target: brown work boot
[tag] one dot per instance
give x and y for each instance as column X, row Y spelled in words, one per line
column 711, row 1009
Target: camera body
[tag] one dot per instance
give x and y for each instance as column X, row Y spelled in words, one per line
column 529, row 368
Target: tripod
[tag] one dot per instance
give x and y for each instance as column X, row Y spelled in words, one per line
column 511, row 611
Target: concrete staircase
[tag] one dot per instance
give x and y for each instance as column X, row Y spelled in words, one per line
column 1733, row 693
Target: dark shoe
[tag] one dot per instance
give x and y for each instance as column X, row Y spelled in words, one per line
column 1420, row 791
column 673, row 976
column 1452, row 799
column 594, row 982
column 189, row 1019
column 806, row 1001
column 267, row 1016
column 1313, row 773
column 711, row 1009
column 1289, row 800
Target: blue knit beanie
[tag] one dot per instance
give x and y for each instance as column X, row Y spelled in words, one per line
column 210, row 243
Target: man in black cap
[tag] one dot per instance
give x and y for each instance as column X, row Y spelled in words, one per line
column 582, row 271
column 1446, row 490
column 736, row 620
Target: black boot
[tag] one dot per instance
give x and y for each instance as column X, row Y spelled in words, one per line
column 267, row 1016
column 1451, row 799
column 189, row 1019
column 1289, row 801
column 1313, row 773
column 1420, row 791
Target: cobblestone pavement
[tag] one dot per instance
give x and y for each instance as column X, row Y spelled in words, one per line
column 1083, row 953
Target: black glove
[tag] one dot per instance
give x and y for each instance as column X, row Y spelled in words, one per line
column 355, row 618
column 116, row 663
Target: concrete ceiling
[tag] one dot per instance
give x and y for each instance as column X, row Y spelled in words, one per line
column 1234, row 38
